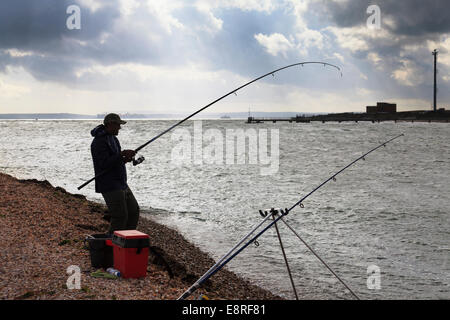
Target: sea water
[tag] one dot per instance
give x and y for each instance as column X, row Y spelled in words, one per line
column 383, row 225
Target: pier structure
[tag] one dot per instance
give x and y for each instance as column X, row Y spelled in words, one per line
column 441, row 115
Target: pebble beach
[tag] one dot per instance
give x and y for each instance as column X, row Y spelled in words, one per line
column 42, row 231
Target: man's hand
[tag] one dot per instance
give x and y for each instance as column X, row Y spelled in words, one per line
column 127, row 155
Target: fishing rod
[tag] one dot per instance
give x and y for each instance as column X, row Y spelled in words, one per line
column 233, row 253
column 325, row 64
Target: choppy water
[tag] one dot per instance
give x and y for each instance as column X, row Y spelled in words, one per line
column 391, row 211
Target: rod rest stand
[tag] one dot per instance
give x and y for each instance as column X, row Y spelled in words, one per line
column 273, row 211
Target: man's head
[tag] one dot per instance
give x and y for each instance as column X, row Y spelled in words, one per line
column 112, row 123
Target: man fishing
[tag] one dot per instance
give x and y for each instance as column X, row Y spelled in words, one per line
column 107, row 154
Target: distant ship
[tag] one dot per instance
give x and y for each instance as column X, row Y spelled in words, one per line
column 225, row 117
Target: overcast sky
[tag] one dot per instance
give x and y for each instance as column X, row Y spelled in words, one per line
column 161, row 56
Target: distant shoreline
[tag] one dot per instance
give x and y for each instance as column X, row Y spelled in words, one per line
column 134, row 119
column 149, row 116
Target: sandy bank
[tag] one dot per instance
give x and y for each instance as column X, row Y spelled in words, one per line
column 42, row 229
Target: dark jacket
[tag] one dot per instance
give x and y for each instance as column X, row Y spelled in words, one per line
column 105, row 150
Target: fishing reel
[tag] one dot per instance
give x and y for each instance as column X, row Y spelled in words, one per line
column 138, row 160
column 273, row 211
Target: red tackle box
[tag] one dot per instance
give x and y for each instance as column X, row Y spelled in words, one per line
column 131, row 253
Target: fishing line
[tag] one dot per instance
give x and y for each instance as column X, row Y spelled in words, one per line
column 321, row 260
column 333, row 177
column 285, row 259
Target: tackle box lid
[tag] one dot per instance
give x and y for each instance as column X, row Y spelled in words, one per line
column 130, row 239
column 130, row 234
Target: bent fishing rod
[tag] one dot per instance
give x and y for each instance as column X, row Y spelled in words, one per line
column 325, row 64
column 267, row 214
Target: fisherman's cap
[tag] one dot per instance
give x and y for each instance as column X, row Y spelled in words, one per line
column 113, row 118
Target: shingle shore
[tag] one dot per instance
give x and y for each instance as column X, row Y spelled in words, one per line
column 42, row 232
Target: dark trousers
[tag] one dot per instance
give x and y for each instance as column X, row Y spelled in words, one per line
column 123, row 209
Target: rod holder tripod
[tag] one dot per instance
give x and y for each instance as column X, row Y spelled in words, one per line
column 273, row 211
column 283, row 212
column 278, row 214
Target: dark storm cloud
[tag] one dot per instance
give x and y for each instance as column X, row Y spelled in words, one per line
column 41, row 25
column 54, row 53
column 39, row 29
column 407, row 29
column 107, row 37
column 408, row 22
column 412, row 17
